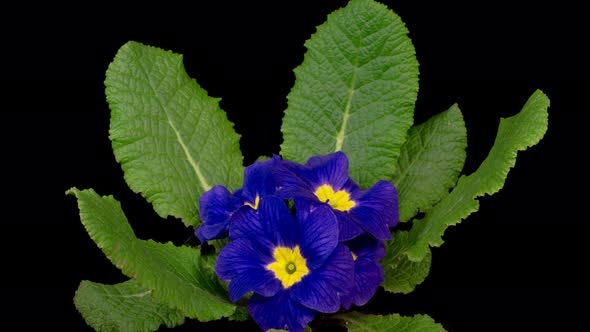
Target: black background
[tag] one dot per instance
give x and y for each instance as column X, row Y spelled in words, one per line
column 518, row 264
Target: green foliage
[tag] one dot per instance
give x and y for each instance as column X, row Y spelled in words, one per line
column 172, row 139
column 354, row 92
column 430, row 162
column 515, row 134
column 123, row 307
column 401, row 274
column 177, row 275
column 357, row 322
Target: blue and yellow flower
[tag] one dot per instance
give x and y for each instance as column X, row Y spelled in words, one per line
column 295, row 267
column 218, row 205
column 325, row 180
column 366, row 252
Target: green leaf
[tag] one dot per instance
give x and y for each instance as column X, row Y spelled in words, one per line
column 123, row 307
column 354, row 92
column 178, row 276
column 172, row 139
column 402, row 275
column 240, row 315
column 430, row 162
column 357, row 322
column 515, row 134
column 307, row 329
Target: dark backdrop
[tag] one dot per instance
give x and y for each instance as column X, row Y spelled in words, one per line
column 518, row 264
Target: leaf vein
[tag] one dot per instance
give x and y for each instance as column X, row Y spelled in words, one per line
column 202, row 181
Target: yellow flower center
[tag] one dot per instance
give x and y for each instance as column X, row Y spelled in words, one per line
column 354, row 256
column 256, row 202
column 339, row 200
column 289, row 266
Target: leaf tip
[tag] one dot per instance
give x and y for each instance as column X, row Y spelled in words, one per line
column 72, row 191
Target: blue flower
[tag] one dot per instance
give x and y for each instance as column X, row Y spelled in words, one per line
column 325, row 180
column 368, row 273
column 294, row 267
column 218, row 205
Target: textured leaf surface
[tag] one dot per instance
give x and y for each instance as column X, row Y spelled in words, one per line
column 515, row 134
column 123, row 307
column 401, row 274
column 357, row 322
column 172, row 139
column 354, row 92
column 430, row 162
column 177, row 275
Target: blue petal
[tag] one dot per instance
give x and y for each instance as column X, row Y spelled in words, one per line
column 245, row 221
column 259, row 180
column 319, row 234
column 242, row 264
column 377, row 210
column 207, row 232
column 277, row 222
column 330, row 169
column 216, row 207
column 368, row 271
column 320, row 289
column 303, row 207
column 294, row 180
column 279, row 312
column 368, row 276
column 352, row 188
column 217, row 204
column 366, row 247
column 347, row 226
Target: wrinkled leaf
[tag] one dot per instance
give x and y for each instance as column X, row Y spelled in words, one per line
column 357, row 322
column 430, row 162
column 354, row 92
column 123, row 307
column 172, row 139
column 402, row 275
column 515, row 134
column 177, row 275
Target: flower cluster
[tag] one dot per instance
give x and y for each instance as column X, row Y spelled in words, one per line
column 323, row 257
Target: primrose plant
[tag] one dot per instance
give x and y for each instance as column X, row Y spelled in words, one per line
column 305, row 236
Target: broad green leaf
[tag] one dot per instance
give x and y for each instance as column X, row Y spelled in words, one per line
column 357, row 322
column 354, row 92
column 172, row 139
column 123, row 307
column 515, row 134
column 401, row 274
column 430, row 162
column 178, row 276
